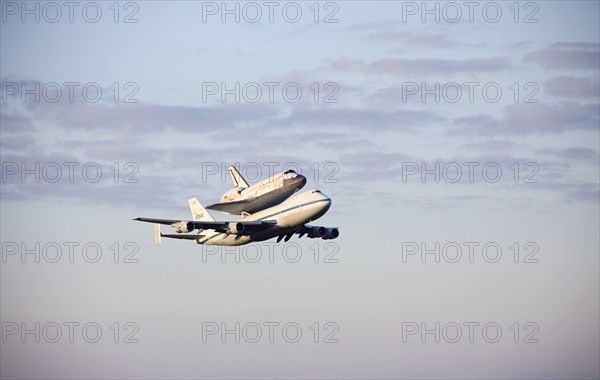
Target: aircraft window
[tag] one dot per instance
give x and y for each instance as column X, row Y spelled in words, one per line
column 317, row 191
column 289, row 172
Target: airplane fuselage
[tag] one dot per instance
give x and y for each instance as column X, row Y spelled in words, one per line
column 299, row 209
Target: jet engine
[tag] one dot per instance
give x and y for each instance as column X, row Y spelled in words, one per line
column 317, row 232
column 332, row 233
column 185, row 227
column 235, row 228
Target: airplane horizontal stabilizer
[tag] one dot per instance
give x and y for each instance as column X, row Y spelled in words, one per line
column 185, row 237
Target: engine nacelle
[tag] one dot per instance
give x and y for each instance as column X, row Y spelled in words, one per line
column 332, row 233
column 235, row 228
column 317, row 232
column 185, row 227
column 232, row 194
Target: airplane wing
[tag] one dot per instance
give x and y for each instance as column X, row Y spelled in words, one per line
column 235, row 207
column 236, row 226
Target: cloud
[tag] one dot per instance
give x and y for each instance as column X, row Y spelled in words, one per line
column 12, row 123
column 489, row 145
column 584, row 194
column 567, row 55
column 573, row 191
column 520, row 44
column 580, row 154
column 372, row 26
column 528, row 118
column 573, row 87
column 367, row 171
column 156, row 190
column 160, row 177
column 438, row 41
column 576, row 45
column 358, row 118
column 16, row 142
column 150, row 116
column 423, row 66
column 164, row 174
column 142, row 117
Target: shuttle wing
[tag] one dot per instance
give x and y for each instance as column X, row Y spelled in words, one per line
column 235, row 207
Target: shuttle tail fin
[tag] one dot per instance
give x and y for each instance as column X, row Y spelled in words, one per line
column 237, row 178
column 199, row 213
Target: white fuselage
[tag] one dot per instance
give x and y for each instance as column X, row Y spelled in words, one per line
column 292, row 213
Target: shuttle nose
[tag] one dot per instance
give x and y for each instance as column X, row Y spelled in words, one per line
column 298, row 181
column 301, row 181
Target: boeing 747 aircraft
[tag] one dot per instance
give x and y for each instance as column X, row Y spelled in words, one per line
column 281, row 221
column 244, row 198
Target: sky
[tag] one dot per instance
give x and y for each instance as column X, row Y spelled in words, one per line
column 459, row 142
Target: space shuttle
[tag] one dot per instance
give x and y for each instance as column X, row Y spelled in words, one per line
column 246, row 199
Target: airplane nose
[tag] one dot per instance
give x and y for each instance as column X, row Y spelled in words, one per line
column 327, row 201
column 324, row 206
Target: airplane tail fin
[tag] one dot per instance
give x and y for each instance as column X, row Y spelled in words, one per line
column 199, row 213
column 237, row 178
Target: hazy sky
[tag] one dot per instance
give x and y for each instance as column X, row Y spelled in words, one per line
column 459, row 142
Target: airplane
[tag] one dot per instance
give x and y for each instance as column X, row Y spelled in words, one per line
column 281, row 221
column 244, row 198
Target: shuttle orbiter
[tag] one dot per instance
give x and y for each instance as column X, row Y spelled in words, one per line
column 244, row 198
